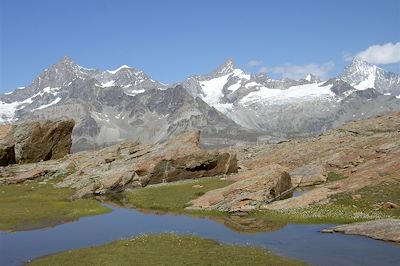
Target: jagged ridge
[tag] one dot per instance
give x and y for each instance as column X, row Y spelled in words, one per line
column 227, row 105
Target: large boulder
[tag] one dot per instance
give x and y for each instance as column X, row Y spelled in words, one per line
column 193, row 166
column 35, row 141
column 260, row 186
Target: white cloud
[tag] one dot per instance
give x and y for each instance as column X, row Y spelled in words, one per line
column 298, row 72
column 347, row 56
column 263, row 70
column 388, row 53
column 253, row 63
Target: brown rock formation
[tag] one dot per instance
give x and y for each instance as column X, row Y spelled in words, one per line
column 367, row 152
column 35, row 141
column 133, row 165
column 130, row 164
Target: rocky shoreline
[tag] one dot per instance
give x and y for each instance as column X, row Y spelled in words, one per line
column 385, row 229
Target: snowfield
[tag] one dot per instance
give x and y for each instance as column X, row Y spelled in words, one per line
column 292, row 94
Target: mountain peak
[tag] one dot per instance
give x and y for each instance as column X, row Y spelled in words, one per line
column 118, row 69
column 358, row 67
column 312, row 78
column 358, row 61
column 65, row 62
column 227, row 67
column 363, row 75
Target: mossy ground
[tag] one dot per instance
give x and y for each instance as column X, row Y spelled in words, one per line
column 166, row 249
column 344, row 209
column 372, row 200
column 172, row 197
column 333, row 176
column 36, row 205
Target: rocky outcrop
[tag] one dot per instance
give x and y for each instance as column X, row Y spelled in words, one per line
column 385, row 229
column 366, row 152
column 256, row 187
column 35, row 141
column 128, row 164
column 133, row 165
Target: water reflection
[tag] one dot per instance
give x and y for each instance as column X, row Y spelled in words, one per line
column 238, row 223
column 297, row 241
column 250, row 225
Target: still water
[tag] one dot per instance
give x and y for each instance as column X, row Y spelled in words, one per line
column 303, row 242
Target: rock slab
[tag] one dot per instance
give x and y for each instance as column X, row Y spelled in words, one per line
column 385, row 229
column 256, row 187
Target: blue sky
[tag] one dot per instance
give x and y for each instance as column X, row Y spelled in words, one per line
column 171, row 40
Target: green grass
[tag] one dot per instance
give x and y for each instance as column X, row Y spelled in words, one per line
column 317, row 214
column 172, row 197
column 343, row 209
column 372, row 199
column 34, row 205
column 166, row 249
column 332, row 176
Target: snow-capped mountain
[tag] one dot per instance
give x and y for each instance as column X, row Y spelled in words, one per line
column 227, row 84
column 362, row 75
column 111, row 106
column 55, row 84
column 227, row 105
column 294, row 107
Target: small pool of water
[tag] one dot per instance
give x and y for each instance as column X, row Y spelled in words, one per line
column 303, row 242
column 301, row 190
